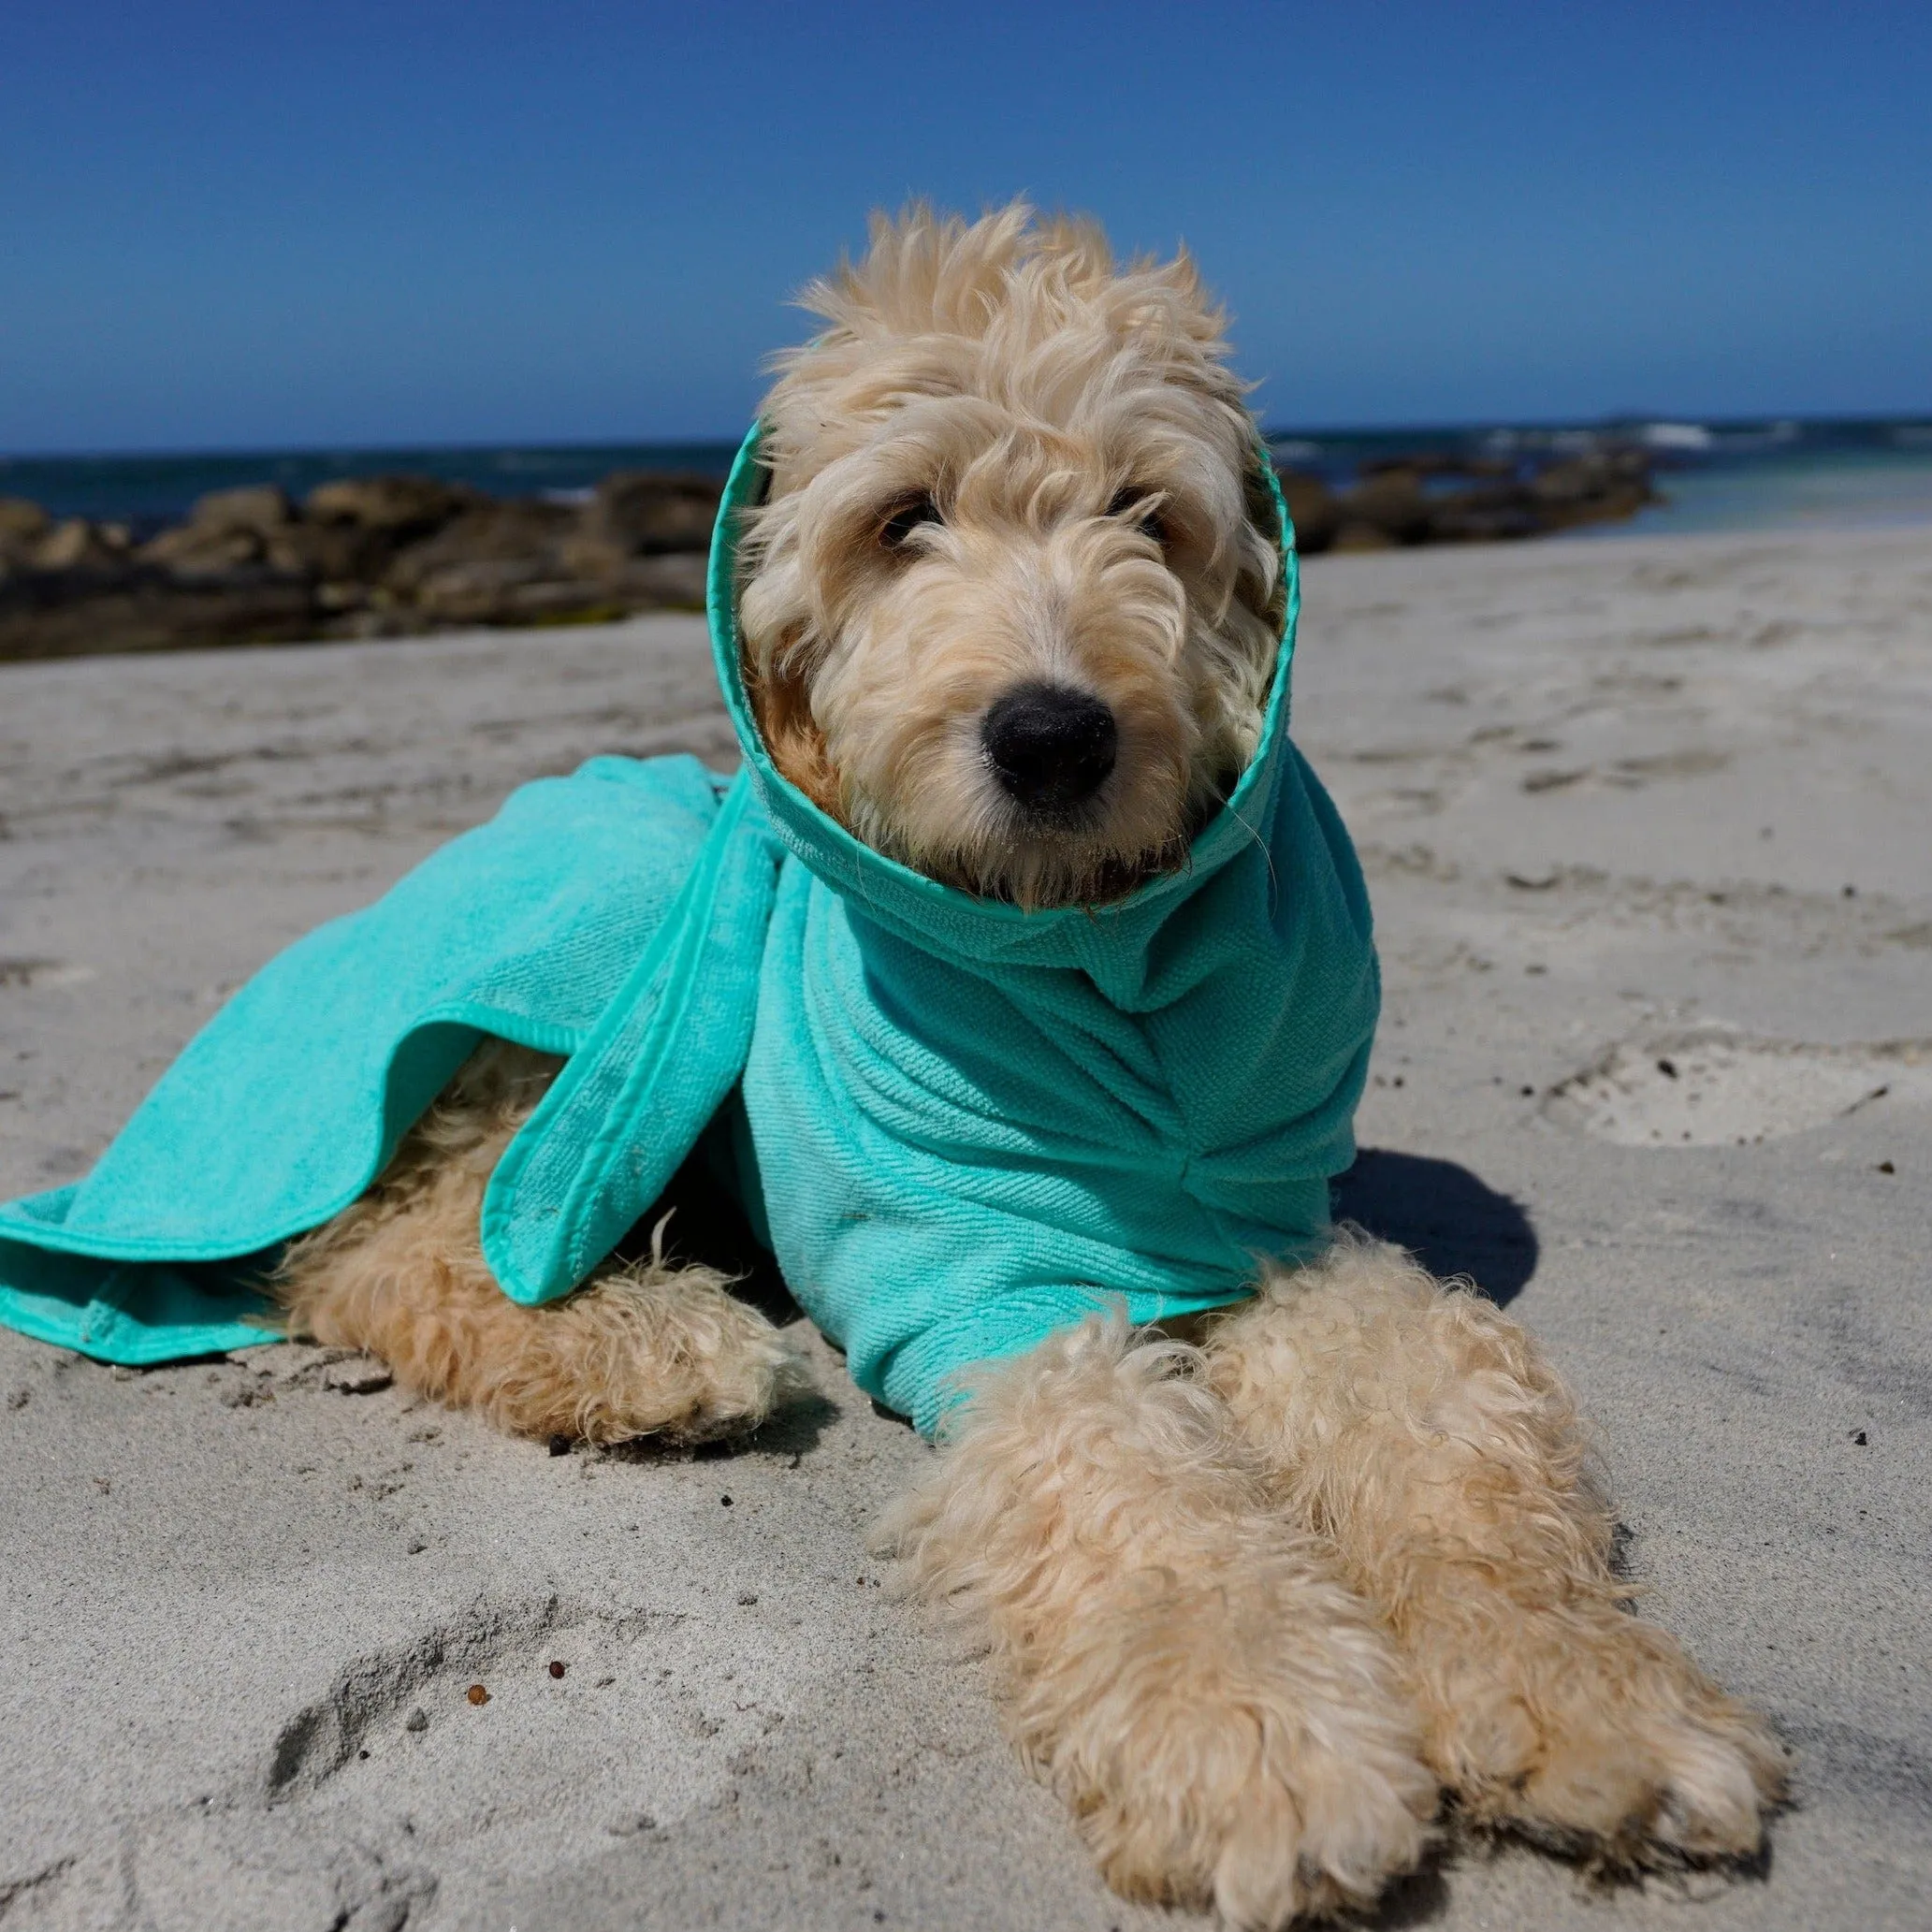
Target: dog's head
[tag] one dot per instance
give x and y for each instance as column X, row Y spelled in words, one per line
column 1013, row 605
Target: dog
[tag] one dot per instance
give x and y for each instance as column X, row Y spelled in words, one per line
column 1262, row 1589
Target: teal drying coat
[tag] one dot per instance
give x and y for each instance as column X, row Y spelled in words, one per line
column 960, row 1126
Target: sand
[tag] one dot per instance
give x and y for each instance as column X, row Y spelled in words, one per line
column 1648, row 827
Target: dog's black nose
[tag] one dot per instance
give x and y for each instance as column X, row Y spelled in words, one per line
column 1050, row 745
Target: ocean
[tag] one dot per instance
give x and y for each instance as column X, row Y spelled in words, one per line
column 1789, row 475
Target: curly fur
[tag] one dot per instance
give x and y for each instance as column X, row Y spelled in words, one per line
column 1182, row 1663
column 641, row 1350
column 1425, row 1434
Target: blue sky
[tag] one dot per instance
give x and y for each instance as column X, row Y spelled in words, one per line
column 368, row 224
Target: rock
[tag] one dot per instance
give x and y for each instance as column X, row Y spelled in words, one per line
column 528, row 531
column 387, row 556
column 406, row 507
column 1436, row 462
column 470, row 571
column 340, row 597
column 21, row 527
column 227, row 530
column 260, row 507
column 77, row 546
column 1391, row 501
column 1483, row 517
column 1593, row 489
column 660, row 583
column 360, row 1374
column 48, row 614
column 640, row 513
column 1502, row 500
column 337, row 553
column 636, row 546
column 198, row 550
column 1311, row 509
column 473, row 592
column 1353, row 534
column 585, row 553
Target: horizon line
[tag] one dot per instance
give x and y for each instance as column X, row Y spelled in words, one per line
column 1272, row 432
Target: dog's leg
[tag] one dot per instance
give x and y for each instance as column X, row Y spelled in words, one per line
column 1427, row 1435
column 641, row 1350
column 1225, row 1717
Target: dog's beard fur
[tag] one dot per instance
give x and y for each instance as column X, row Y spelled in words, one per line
column 1097, row 521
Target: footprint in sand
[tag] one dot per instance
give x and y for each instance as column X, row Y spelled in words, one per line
column 1712, row 1087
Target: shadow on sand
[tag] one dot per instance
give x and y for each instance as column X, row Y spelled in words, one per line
column 1451, row 1222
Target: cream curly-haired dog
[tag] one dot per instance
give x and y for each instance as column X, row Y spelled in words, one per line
column 1260, row 1594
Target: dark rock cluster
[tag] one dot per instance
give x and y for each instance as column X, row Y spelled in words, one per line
column 374, row 556
column 393, row 556
column 1439, row 498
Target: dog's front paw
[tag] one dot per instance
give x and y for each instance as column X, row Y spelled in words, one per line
column 645, row 1349
column 1591, row 1730
column 1246, row 1741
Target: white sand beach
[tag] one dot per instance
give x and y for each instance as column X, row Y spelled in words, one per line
column 1648, row 825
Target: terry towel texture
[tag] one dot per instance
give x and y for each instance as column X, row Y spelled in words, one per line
column 971, row 1125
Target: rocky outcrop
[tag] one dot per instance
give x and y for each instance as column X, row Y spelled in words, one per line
column 1434, row 498
column 389, row 555
column 369, row 557
column 21, row 524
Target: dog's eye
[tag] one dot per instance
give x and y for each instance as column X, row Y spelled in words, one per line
column 1149, row 522
column 905, row 518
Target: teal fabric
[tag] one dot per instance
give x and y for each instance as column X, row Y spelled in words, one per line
column 557, row 925
column 975, row 1124
column 964, row 1125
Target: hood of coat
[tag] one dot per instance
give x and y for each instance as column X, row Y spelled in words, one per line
column 975, row 930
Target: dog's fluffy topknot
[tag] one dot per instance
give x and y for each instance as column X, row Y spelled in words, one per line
column 1011, row 274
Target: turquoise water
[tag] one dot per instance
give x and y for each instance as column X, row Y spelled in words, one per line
column 1839, row 474
column 1851, row 489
